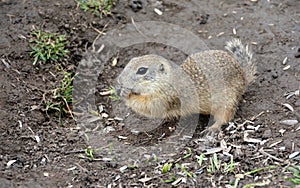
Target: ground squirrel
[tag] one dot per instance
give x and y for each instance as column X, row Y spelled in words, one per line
column 208, row 82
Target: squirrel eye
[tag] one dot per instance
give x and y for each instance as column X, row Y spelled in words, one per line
column 142, row 70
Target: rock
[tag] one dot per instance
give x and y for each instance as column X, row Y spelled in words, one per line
column 137, row 5
column 274, row 74
column 267, row 133
column 201, row 17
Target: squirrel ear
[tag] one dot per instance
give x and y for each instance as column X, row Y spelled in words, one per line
column 161, row 67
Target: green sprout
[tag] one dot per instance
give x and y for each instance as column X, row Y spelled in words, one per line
column 90, row 152
column 171, row 180
column 252, row 172
column 97, row 7
column 113, row 94
column 296, row 173
column 189, row 154
column 260, row 169
column 216, row 165
column 211, row 168
column 200, row 160
column 111, row 148
column 62, row 98
column 187, row 173
column 166, row 168
column 47, row 46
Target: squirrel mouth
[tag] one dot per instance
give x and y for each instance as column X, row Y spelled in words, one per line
column 135, row 93
column 132, row 93
column 127, row 92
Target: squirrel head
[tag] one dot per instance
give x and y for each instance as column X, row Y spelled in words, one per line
column 146, row 86
column 141, row 75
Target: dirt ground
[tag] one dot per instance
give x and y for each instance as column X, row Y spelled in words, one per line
column 272, row 29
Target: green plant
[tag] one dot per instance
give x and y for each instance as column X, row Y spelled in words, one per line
column 211, row 168
column 216, row 165
column 256, row 184
column 47, row 46
column 296, row 173
column 260, row 169
column 166, row 168
column 200, row 160
column 111, row 148
column 172, row 179
column 184, row 170
column 189, row 154
column 61, row 97
column 113, row 94
column 97, row 7
column 90, row 152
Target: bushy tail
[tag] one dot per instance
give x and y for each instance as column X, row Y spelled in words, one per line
column 244, row 56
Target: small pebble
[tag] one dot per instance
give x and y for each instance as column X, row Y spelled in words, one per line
column 43, row 161
column 147, row 156
column 108, row 129
column 114, row 62
column 104, row 115
column 37, row 138
column 101, row 108
column 123, row 169
column 287, row 67
column 274, row 74
column 137, row 5
column 267, row 133
column 281, row 148
column 135, row 132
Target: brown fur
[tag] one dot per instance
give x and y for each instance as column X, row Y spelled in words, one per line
column 210, row 82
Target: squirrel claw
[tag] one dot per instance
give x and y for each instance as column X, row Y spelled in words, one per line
column 211, row 134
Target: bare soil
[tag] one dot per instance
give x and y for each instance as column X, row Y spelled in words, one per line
column 272, row 29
